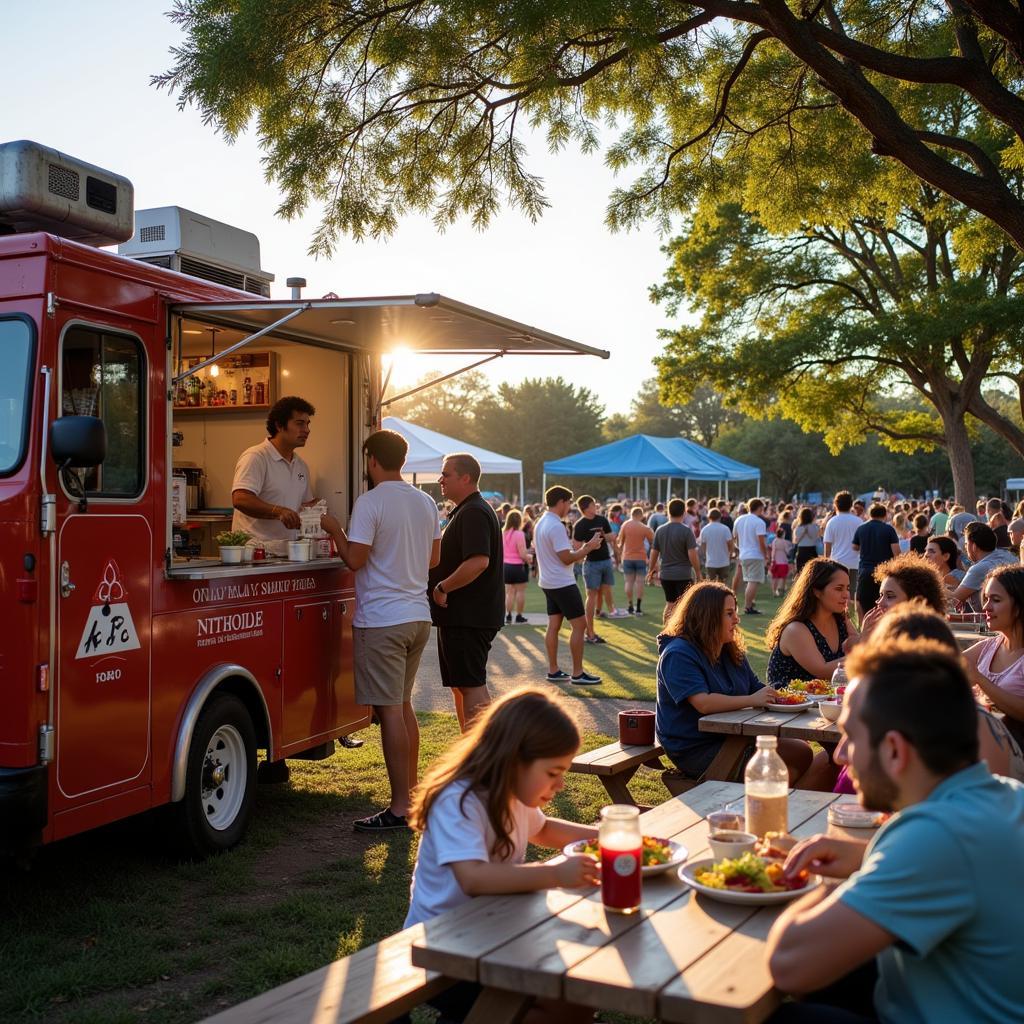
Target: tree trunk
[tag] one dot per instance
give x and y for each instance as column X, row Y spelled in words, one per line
column 961, row 461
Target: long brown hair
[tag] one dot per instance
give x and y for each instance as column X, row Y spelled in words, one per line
column 515, row 730
column 802, row 601
column 697, row 617
column 916, row 577
column 513, row 520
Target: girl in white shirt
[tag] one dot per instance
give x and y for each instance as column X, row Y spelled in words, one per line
column 480, row 805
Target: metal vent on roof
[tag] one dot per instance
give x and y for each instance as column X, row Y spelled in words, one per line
column 208, row 272
column 152, row 233
column 158, row 261
column 63, row 182
column 257, row 287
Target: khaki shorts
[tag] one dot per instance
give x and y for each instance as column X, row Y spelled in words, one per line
column 386, row 660
column 722, row 573
column 753, row 570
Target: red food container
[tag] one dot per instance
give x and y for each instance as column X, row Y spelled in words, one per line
column 636, row 726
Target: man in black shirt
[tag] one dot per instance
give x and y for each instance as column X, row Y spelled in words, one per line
column 598, row 571
column 467, row 587
column 876, row 542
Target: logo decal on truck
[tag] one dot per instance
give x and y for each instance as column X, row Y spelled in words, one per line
column 109, row 628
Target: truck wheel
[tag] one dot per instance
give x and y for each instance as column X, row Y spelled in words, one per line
column 219, row 778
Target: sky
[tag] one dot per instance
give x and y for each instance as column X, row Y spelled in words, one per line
column 75, row 76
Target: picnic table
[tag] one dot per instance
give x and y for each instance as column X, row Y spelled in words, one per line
column 739, row 726
column 681, row 957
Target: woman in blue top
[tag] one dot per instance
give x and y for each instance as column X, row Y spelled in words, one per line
column 702, row 670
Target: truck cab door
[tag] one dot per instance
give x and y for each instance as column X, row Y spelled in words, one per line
column 104, row 568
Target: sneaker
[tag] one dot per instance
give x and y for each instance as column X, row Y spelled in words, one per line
column 629, row 610
column 595, row 639
column 751, row 611
column 638, row 612
column 602, row 615
column 382, row 821
column 557, row 677
column 350, row 742
column 508, row 620
column 620, row 613
column 521, row 618
column 586, row 679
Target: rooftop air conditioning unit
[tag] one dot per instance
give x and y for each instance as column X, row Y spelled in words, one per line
column 172, row 237
column 42, row 189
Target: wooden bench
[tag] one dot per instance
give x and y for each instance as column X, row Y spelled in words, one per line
column 615, row 764
column 372, row 986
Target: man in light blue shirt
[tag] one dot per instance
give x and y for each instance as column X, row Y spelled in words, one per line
column 936, row 896
column 980, row 543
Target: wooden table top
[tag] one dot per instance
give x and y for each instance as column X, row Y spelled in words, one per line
column 680, row 958
column 794, row 725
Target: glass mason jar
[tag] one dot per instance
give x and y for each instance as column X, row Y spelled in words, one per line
column 620, row 840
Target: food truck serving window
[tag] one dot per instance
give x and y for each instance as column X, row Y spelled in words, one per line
column 103, row 374
column 16, row 345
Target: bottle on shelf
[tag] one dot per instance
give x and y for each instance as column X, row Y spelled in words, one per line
column 620, row 841
column 247, row 391
column 261, row 393
column 766, row 789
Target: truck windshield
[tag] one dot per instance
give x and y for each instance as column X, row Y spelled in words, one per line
column 16, row 359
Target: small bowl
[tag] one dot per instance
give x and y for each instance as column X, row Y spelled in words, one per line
column 830, row 710
column 727, row 843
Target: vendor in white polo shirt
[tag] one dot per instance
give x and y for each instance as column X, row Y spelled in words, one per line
column 271, row 481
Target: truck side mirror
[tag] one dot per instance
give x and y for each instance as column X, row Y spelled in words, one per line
column 78, row 442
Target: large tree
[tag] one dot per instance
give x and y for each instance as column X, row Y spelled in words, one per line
column 700, row 418
column 539, row 420
column 449, row 406
column 827, row 323
column 376, row 107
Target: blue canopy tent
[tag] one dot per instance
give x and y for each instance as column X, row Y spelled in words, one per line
column 644, row 457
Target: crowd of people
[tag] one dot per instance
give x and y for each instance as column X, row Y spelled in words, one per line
column 922, row 925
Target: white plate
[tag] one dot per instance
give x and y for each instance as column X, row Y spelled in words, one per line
column 686, row 873
column 679, row 855
column 807, row 704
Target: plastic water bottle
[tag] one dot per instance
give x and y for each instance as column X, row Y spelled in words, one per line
column 839, row 681
column 766, row 791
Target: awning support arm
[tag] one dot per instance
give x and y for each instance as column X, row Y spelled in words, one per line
column 239, row 344
column 430, row 383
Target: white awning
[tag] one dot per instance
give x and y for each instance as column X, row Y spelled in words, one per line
column 422, row 323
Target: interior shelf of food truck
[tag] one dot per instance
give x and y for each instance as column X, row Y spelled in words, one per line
column 327, row 351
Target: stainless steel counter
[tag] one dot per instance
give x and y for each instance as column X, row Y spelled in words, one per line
column 213, row 569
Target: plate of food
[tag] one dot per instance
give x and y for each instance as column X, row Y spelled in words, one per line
column 658, row 854
column 748, row 879
column 822, row 688
column 787, row 699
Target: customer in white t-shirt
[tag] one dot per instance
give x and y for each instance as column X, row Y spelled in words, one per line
column 838, row 536
column 716, row 541
column 394, row 539
column 555, row 558
column 751, row 534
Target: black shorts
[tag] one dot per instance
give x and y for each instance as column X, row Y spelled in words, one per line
column 565, row 601
column 462, row 654
column 674, row 589
column 867, row 590
column 516, row 573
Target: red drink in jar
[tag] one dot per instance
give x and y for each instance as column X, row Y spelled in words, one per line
column 620, row 843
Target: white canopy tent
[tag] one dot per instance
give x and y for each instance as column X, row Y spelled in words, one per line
column 428, row 448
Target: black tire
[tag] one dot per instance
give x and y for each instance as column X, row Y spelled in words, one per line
column 212, row 818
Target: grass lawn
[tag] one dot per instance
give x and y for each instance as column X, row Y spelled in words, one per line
column 106, row 929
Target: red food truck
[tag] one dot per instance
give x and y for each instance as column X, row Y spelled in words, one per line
column 137, row 669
